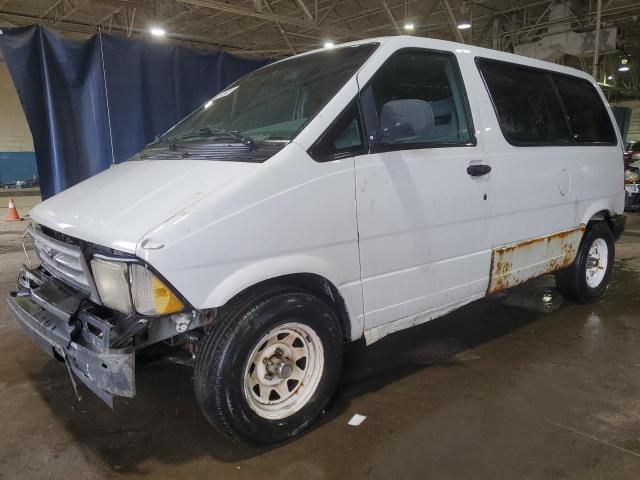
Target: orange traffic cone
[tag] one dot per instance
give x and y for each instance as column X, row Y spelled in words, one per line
column 12, row 214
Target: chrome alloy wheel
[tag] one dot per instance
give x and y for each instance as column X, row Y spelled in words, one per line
column 597, row 260
column 283, row 371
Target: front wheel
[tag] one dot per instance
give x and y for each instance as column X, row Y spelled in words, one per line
column 586, row 279
column 269, row 366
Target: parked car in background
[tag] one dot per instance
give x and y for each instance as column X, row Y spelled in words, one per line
column 632, row 151
column 631, row 184
column 339, row 194
column 632, row 176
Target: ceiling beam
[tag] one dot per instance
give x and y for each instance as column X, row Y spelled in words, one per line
column 281, row 30
column 391, row 17
column 262, row 25
column 61, row 10
column 305, row 10
column 273, row 3
column 328, row 7
column 452, row 20
column 329, row 10
column 362, row 14
column 239, row 10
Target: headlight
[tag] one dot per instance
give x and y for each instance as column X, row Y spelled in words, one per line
column 150, row 295
column 123, row 286
column 112, row 282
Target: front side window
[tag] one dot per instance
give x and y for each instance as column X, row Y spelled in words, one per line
column 587, row 114
column 342, row 139
column 420, row 76
column 276, row 101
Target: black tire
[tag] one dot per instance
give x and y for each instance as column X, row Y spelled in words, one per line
column 222, row 358
column 571, row 282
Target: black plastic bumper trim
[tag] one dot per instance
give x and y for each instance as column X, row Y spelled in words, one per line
column 618, row 224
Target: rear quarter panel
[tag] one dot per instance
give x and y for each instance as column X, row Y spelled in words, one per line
column 543, row 195
column 528, row 179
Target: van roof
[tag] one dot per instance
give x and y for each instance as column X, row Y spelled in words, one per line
column 404, row 41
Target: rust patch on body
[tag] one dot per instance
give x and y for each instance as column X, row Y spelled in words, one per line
column 518, row 262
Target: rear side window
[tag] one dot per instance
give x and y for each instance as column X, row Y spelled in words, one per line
column 537, row 107
column 526, row 103
column 587, row 114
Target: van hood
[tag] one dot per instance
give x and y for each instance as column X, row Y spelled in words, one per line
column 118, row 206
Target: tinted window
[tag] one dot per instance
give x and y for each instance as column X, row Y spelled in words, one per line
column 433, row 77
column 526, row 103
column 587, row 114
column 342, row 139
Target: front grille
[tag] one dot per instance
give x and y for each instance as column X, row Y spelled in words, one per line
column 64, row 261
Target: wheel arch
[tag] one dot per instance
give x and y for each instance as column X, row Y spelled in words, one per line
column 600, row 211
column 313, row 283
column 604, row 215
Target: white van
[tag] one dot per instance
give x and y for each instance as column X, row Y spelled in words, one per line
column 343, row 193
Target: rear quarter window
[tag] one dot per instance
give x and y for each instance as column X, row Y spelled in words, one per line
column 587, row 115
column 536, row 107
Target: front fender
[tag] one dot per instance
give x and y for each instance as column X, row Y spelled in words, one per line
column 272, row 268
column 267, row 269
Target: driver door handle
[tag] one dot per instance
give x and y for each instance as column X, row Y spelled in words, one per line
column 478, row 170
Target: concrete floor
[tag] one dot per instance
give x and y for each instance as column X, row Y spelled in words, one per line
column 24, row 200
column 522, row 385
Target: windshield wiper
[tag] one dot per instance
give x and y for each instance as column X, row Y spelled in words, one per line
column 212, row 130
column 162, row 139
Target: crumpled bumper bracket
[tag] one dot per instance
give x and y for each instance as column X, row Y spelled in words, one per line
column 82, row 344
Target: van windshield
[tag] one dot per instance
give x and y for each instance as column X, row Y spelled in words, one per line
column 276, row 101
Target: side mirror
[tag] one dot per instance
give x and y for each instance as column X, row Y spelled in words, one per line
column 405, row 119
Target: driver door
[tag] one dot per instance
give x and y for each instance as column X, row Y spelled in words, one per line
column 423, row 220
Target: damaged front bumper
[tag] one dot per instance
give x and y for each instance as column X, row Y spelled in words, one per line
column 70, row 328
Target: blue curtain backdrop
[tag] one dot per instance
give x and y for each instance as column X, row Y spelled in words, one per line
column 93, row 102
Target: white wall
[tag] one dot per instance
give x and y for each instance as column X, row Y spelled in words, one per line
column 15, row 135
column 17, row 159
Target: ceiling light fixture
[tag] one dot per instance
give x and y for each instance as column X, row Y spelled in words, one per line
column 157, row 31
column 409, row 27
column 329, row 44
column 624, row 65
column 465, row 17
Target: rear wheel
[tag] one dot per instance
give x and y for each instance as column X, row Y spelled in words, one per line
column 586, row 279
column 269, row 365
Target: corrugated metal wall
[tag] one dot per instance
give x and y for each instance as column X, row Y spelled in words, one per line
column 634, row 125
